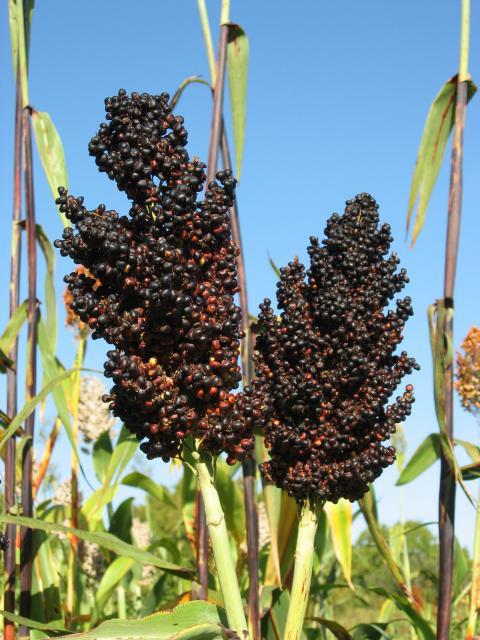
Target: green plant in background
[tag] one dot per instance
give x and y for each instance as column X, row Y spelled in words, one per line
column 279, row 561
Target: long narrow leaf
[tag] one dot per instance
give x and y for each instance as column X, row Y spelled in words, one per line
column 190, row 621
column 50, row 150
column 111, row 578
column 102, row 539
column 340, row 520
column 434, row 140
column 50, row 297
column 237, row 66
column 183, row 85
column 426, row 454
column 14, row 327
column 141, row 481
column 30, row 406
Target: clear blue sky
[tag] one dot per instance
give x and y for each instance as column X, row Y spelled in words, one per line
column 337, row 97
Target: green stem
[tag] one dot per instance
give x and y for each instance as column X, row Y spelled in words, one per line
column 302, row 575
column 121, row 602
column 22, row 53
column 207, row 35
column 225, row 14
column 475, row 588
column 463, row 75
column 217, row 529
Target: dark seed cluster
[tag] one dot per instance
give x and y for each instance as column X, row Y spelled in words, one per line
column 326, row 366
column 162, row 283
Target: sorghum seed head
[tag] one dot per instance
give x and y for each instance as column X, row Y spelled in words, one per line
column 468, row 372
column 161, row 283
column 326, row 367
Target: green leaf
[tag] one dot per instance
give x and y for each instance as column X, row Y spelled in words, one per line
column 123, row 452
column 101, row 454
column 472, row 450
column 334, row 627
column 8, row 337
column 278, row 614
column 121, row 522
column 33, row 624
column 46, row 602
column 434, row 140
column 426, row 454
column 340, row 520
column 30, row 406
column 237, row 66
column 194, row 620
column 50, row 150
column 470, row 471
column 102, row 539
column 276, row 270
column 51, row 372
column 50, row 297
column 141, row 481
column 283, row 531
column 373, row 631
column 111, row 578
column 188, row 81
column 421, row 626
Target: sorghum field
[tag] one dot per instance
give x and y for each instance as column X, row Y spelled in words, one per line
column 182, row 460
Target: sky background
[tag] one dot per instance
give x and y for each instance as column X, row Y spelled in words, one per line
column 338, row 93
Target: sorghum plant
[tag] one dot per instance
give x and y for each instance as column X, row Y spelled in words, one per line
column 160, row 288
column 326, row 368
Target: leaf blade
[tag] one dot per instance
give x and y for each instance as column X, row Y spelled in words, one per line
column 237, row 66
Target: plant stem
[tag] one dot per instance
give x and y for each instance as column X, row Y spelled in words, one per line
column 447, row 478
column 463, row 74
column 10, row 453
column 302, row 575
column 207, row 35
column 215, row 136
column 221, row 546
column 121, row 602
column 225, row 13
column 217, row 119
column 475, row 588
column 74, row 476
column 27, row 454
column 249, row 466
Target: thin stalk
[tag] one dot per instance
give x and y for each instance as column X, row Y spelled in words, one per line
column 475, row 588
column 74, row 475
column 215, row 136
column 225, row 13
column 447, row 478
column 27, row 454
column 217, row 118
column 121, row 602
column 302, row 576
column 207, row 35
column 249, row 466
column 366, row 507
column 22, row 50
column 217, row 529
column 46, row 457
column 10, row 453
